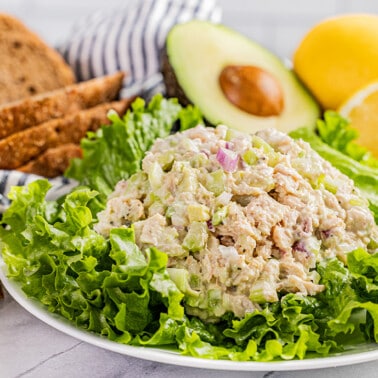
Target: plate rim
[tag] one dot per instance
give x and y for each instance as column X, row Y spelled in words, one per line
column 165, row 356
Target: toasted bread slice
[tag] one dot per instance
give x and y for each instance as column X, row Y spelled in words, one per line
column 28, row 65
column 19, row 148
column 54, row 161
column 32, row 111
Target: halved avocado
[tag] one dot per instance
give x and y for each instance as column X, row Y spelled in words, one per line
column 196, row 55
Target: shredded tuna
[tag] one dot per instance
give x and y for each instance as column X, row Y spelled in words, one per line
column 246, row 235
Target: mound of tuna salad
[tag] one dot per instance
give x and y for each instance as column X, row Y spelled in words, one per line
column 243, row 218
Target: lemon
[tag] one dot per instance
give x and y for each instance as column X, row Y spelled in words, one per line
column 361, row 109
column 338, row 56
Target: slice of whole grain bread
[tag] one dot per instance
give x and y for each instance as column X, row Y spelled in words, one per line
column 23, row 146
column 54, row 161
column 32, row 111
column 28, row 65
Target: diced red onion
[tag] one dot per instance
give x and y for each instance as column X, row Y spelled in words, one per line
column 227, row 159
column 326, row 234
column 300, row 246
column 306, row 226
column 210, row 226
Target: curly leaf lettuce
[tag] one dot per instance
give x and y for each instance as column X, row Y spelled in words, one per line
column 337, row 132
column 106, row 286
column 111, row 287
column 116, row 151
column 115, row 289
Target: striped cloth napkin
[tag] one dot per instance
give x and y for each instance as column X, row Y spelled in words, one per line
column 129, row 39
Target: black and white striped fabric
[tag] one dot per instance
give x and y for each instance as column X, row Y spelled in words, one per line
column 60, row 185
column 129, row 39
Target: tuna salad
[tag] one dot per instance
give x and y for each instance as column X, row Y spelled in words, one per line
column 244, row 219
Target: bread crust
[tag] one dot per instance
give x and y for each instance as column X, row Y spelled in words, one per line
column 28, row 65
column 54, row 161
column 22, row 114
column 23, row 146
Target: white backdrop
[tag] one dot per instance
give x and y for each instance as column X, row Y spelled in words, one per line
column 276, row 24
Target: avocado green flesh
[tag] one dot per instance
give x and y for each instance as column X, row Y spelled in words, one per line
column 199, row 50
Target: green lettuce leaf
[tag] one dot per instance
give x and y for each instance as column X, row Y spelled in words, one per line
column 108, row 286
column 337, row 132
column 116, row 151
column 190, row 116
column 113, row 288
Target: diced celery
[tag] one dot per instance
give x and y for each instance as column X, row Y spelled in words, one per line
column 316, row 181
column 193, row 301
column 181, row 279
column 270, row 153
column 330, row 187
column 214, row 297
column 136, row 184
column 357, row 201
column 215, row 182
column 178, row 166
column 265, row 288
column 250, row 157
column 315, row 276
column 308, row 168
column 196, row 237
column 198, row 213
column 155, row 176
column 189, row 182
column 266, row 183
column 322, row 181
column 231, row 134
column 198, row 160
column 260, row 143
column 170, row 243
column 151, row 197
column 195, row 281
column 373, row 244
column 273, row 158
column 263, row 291
column 319, row 181
column 156, row 206
column 170, row 211
column 215, row 304
column 219, row 216
column 178, row 214
column 166, row 160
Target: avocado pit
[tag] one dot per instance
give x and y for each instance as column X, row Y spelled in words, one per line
column 194, row 56
column 252, row 90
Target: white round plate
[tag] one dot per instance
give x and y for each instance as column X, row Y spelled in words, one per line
column 360, row 354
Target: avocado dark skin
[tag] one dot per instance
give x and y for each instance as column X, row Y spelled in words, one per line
column 172, row 86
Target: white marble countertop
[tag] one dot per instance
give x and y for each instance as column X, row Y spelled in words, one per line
column 30, row 348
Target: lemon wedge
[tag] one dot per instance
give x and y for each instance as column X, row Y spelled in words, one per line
column 361, row 109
